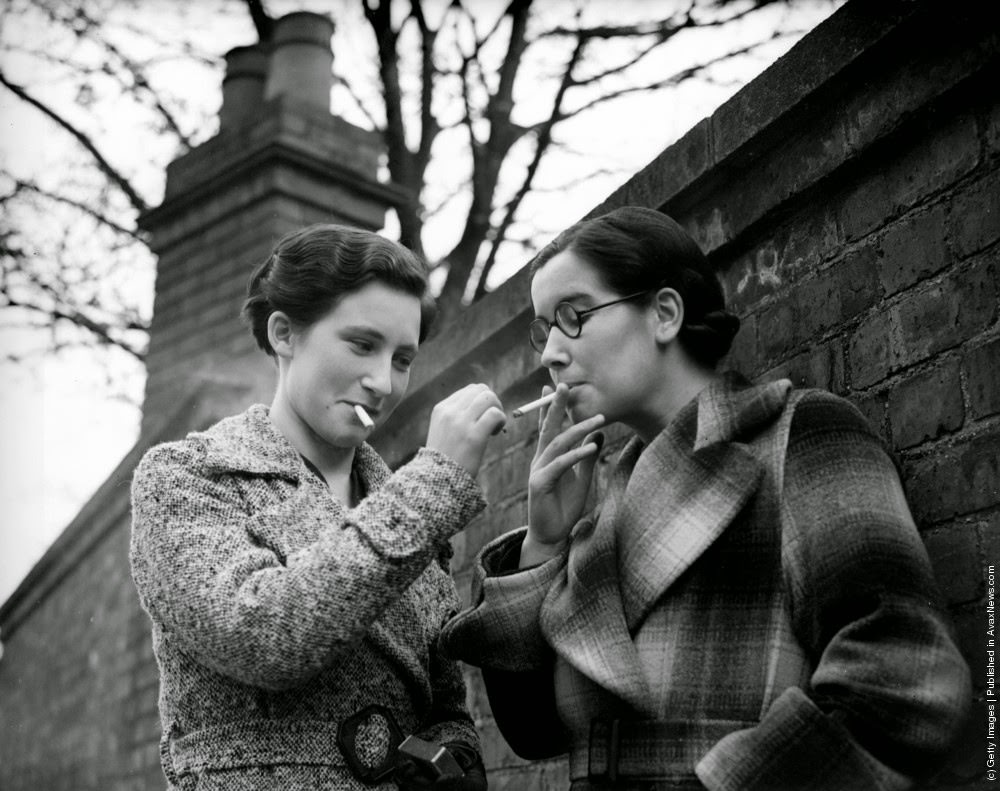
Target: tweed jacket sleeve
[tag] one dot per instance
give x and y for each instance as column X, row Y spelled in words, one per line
column 206, row 568
column 890, row 689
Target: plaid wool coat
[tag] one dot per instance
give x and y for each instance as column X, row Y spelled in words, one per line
column 753, row 578
column 277, row 612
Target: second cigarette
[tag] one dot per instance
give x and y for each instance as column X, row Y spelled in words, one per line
column 531, row 406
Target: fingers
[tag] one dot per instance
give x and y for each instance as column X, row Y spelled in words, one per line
column 567, row 439
column 544, row 411
column 493, row 420
column 585, row 469
column 551, row 417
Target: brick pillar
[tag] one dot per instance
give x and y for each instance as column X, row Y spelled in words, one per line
column 279, row 161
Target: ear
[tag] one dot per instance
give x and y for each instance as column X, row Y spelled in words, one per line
column 280, row 333
column 669, row 309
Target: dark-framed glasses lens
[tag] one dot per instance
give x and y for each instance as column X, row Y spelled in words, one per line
column 538, row 334
column 568, row 320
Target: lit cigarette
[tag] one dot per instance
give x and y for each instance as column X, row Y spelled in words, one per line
column 363, row 416
column 531, row 406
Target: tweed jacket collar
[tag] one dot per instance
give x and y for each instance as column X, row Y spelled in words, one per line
column 666, row 504
column 251, row 443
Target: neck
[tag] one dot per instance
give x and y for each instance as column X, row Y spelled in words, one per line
column 334, row 462
column 686, row 380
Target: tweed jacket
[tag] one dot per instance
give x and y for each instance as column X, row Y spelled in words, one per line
column 277, row 611
column 754, row 579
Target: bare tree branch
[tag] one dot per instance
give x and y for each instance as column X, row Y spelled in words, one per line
column 262, row 21
column 544, row 138
column 487, row 159
column 347, row 85
column 103, row 165
column 90, row 211
column 674, row 79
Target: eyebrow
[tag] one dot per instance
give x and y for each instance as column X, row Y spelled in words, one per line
column 574, row 295
column 365, row 329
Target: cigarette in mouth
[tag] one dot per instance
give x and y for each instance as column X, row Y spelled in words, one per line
column 531, row 406
column 363, row 416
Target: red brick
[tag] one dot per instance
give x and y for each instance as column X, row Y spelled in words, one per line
column 991, row 127
column 981, row 367
column 870, row 351
column 776, row 330
column 789, row 254
column 975, row 216
column 874, row 408
column 813, row 368
column 954, row 553
column 864, row 208
column 912, row 250
column 936, row 159
column 926, row 405
column 836, row 295
column 945, row 314
column 955, row 481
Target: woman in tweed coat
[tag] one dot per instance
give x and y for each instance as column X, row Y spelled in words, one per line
column 750, row 606
column 296, row 587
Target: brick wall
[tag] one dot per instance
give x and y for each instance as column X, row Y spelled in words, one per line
column 78, row 681
column 849, row 199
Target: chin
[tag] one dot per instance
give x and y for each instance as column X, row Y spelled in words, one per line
column 581, row 408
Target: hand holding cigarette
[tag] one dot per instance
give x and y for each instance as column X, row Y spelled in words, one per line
column 463, row 423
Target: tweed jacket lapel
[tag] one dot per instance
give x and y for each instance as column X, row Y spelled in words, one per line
column 250, row 443
column 666, row 504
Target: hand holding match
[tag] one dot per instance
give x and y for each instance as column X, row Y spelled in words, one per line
column 531, row 406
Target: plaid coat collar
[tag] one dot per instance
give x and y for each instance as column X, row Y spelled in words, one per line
column 666, row 504
column 250, row 443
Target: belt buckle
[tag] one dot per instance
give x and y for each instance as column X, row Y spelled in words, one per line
column 610, row 732
column 367, row 771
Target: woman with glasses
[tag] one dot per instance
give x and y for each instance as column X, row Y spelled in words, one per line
column 749, row 606
column 296, row 586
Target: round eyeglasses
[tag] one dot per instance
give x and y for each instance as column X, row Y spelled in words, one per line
column 569, row 320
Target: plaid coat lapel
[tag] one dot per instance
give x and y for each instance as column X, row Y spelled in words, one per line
column 666, row 504
column 582, row 615
column 689, row 485
column 677, row 503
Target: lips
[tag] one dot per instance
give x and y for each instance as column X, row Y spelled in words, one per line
column 373, row 411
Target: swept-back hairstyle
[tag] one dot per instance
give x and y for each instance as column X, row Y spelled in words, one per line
column 312, row 269
column 637, row 249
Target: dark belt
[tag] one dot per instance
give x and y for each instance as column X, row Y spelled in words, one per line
column 263, row 742
column 691, row 783
column 660, row 753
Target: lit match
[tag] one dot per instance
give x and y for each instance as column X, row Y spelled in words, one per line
column 363, row 416
column 531, row 406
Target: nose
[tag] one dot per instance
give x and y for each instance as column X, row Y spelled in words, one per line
column 378, row 379
column 555, row 356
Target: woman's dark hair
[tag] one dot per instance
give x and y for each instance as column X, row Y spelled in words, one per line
column 312, row 269
column 635, row 249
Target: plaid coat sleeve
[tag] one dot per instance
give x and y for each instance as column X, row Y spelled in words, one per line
column 890, row 689
column 499, row 630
